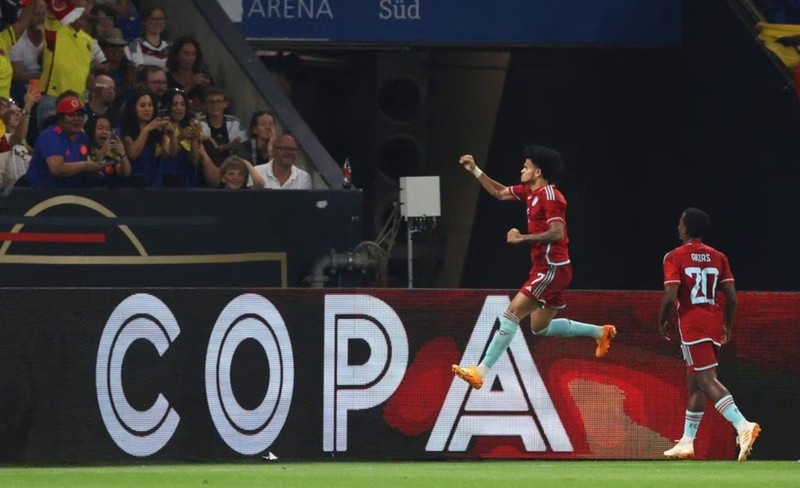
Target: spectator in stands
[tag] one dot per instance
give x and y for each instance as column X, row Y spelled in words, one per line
column 117, row 65
column 126, row 18
column 101, row 99
column 8, row 37
column 262, row 137
column 151, row 48
column 66, row 59
column 107, row 149
column 16, row 119
column 153, row 79
column 26, row 53
column 14, row 149
column 234, row 174
column 181, row 170
column 147, row 138
column 281, row 173
column 61, row 153
column 185, row 69
column 224, row 133
column 102, row 17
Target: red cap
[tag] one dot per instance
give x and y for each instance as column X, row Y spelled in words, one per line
column 68, row 105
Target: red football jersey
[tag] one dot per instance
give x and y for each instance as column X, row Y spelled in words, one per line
column 544, row 205
column 697, row 269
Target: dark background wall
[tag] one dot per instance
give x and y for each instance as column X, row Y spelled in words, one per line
column 646, row 133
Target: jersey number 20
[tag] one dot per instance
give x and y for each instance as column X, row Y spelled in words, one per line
column 705, row 284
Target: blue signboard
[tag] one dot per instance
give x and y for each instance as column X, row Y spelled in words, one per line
column 457, row 22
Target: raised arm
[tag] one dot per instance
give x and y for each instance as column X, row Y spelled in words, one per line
column 24, row 19
column 169, row 138
column 31, row 97
column 133, row 148
column 258, row 180
column 210, row 170
column 494, row 188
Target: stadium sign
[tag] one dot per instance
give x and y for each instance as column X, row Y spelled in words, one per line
column 216, row 375
column 435, row 22
column 347, row 387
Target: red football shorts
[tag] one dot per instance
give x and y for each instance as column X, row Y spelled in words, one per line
column 547, row 285
column 700, row 356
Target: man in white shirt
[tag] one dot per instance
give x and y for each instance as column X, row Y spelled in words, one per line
column 281, row 173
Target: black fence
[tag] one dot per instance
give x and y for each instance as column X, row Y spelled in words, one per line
column 138, row 237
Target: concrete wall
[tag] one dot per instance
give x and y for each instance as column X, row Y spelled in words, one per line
column 466, row 87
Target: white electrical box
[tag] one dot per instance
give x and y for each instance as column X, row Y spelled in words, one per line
column 419, row 196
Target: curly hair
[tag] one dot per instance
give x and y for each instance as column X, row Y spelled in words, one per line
column 546, row 159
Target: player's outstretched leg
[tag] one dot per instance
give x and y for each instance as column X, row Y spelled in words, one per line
column 747, row 431
column 604, row 341
column 473, row 375
column 469, row 374
column 572, row 328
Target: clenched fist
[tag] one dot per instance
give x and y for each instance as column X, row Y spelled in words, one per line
column 467, row 161
column 514, row 236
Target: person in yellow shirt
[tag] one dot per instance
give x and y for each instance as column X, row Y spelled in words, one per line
column 66, row 57
column 8, row 37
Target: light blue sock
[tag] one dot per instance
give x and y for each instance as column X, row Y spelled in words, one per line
column 502, row 338
column 691, row 424
column 730, row 411
column 571, row 328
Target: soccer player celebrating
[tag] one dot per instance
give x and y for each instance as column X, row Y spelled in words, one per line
column 692, row 272
column 541, row 296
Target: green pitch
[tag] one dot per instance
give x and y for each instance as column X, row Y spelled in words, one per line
column 435, row 474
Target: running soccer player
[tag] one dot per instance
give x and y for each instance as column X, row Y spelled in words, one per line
column 692, row 272
column 541, row 297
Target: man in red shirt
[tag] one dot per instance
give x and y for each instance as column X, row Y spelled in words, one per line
column 541, row 296
column 692, row 273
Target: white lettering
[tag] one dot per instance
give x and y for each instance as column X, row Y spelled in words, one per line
column 349, row 387
column 399, row 10
column 139, row 316
column 256, row 8
column 291, row 9
column 522, row 395
column 324, row 9
column 249, row 316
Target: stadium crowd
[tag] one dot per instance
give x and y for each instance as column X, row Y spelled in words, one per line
column 94, row 93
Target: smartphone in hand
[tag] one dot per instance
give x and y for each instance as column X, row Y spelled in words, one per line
column 34, row 90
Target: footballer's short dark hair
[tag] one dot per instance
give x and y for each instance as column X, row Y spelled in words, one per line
column 546, row 159
column 697, row 222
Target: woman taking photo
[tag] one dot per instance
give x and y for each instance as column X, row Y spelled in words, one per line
column 107, row 149
column 147, row 139
column 180, row 171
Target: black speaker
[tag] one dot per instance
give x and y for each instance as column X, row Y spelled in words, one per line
column 400, row 110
